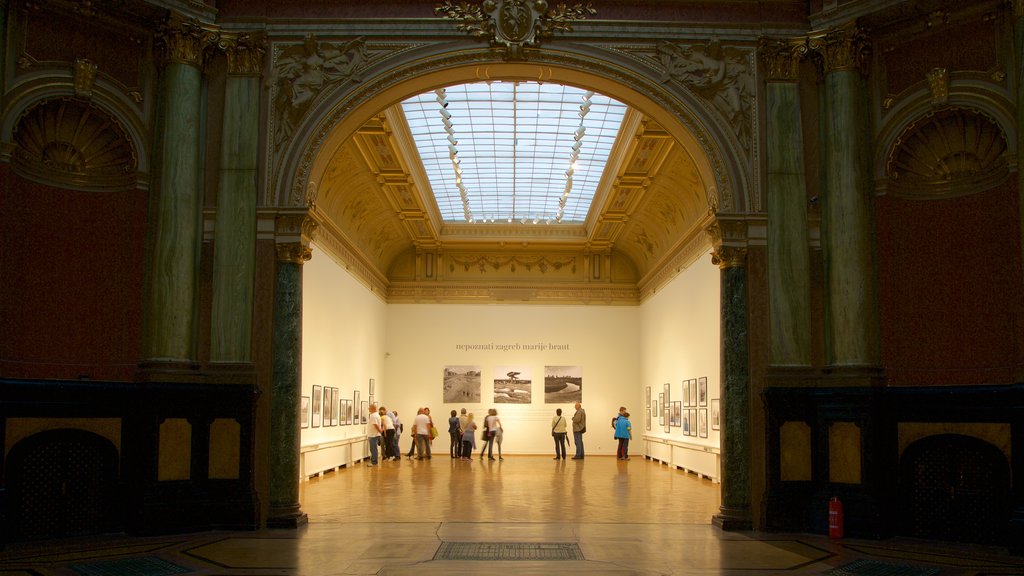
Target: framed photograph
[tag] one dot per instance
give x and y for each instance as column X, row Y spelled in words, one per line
column 648, row 403
column 513, row 384
column 702, row 422
column 702, row 391
column 348, row 412
column 668, row 394
column 328, row 404
column 364, row 412
column 666, row 412
column 677, row 413
column 693, row 392
column 317, row 406
column 686, row 392
column 686, row 424
column 693, row 421
column 716, row 414
column 335, row 407
column 563, row 384
column 304, row 412
column 648, row 420
column 461, row 384
column 372, row 382
column 661, row 415
column 356, row 395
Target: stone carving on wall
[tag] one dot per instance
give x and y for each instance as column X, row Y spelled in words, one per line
column 718, row 74
column 514, row 24
column 301, row 73
column 85, row 75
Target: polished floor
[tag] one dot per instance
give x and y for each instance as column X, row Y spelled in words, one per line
column 522, row 515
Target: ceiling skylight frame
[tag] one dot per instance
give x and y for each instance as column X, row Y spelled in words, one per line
column 513, row 152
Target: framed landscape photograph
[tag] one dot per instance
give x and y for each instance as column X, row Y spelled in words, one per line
column 461, row 384
column 304, row 412
column 317, row 403
column 716, row 414
column 702, row 391
column 563, row 384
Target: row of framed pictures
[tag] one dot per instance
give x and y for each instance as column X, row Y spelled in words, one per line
column 328, row 408
column 685, row 413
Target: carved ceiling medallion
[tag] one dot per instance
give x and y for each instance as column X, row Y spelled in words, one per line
column 950, row 152
column 70, row 143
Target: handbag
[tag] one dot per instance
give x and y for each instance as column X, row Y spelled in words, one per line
column 433, row 432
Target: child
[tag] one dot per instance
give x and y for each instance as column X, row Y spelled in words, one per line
column 623, row 433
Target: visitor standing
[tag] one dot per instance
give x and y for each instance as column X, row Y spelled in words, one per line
column 490, row 424
column 558, row 432
column 388, row 438
column 623, row 433
column 454, row 434
column 398, row 433
column 422, row 430
column 579, row 427
column 468, row 438
column 373, row 432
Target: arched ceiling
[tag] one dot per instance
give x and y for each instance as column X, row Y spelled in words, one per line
column 374, row 197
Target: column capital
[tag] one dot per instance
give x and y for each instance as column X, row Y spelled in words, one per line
column 294, row 232
column 185, row 41
column 727, row 233
column 781, row 57
column 726, row 257
column 842, row 48
column 245, row 52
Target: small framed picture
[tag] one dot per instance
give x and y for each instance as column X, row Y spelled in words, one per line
column 702, row 391
column 335, row 407
column 686, row 392
column 668, row 394
column 702, row 422
column 372, row 381
column 661, row 415
column 716, row 414
column 364, row 412
column 648, row 403
column 356, row 395
column 666, row 411
column 648, row 420
column 693, row 392
column 686, row 424
column 693, row 421
column 677, row 413
column 317, row 406
column 304, row 412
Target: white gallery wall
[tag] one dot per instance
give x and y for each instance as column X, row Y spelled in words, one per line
column 680, row 340
column 603, row 342
column 343, row 326
column 351, row 336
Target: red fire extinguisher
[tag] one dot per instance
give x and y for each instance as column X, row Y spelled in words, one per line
column 835, row 518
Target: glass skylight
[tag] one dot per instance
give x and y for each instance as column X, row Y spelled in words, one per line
column 511, row 152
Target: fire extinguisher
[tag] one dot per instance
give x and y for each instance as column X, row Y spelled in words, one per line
column 835, row 518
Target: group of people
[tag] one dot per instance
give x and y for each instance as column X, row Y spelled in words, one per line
column 384, row 430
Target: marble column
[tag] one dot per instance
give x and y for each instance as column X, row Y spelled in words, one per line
column 285, row 511
column 847, row 230
column 175, row 224
column 734, row 513
column 4, row 6
column 234, row 259
column 789, row 276
column 1018, row 29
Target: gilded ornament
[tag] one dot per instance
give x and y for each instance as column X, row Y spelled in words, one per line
column 729, row 257
column 245, row 53
column 781, row 58
column 514, row 24
column 843, row 48
column 85, row 75
column 938, row 83
column 294, row 253
column 186, row 41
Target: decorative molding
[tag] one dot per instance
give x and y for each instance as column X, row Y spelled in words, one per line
column 514, row 24
column 488, row 262
column 301, row 73
column 293, row 234
column 245, row 52
column 185, row 41
column 720, row 75
column 533, row 294
column 293, row 253
column 842, row 48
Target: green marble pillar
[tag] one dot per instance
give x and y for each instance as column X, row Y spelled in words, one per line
column 847, row 230
column 174, row 264
column 4, row 5
column 285, row 511
column 734, row 513
column 1018, row 29
column 789, row 279
column 235, row 233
